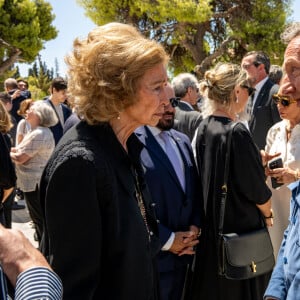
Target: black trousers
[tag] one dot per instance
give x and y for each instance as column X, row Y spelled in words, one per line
column 35, row 211
column 172, row 283
column 7, row 207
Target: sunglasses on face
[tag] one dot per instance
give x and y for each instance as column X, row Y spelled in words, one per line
column 247, row 66
column 250, row 89
column 174, row 101
column 283, row 100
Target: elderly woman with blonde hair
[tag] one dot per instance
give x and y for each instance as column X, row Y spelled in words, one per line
column 100, row 225
column 31, row 156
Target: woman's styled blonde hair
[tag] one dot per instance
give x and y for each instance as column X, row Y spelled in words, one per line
column 105, row 70
column 5, row 121
column 218, row 86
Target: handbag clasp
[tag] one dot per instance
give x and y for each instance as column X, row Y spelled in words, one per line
column 253, row 267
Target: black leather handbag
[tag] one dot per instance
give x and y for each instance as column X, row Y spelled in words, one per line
column 242, row 256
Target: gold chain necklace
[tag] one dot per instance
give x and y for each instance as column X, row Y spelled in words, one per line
column 140, row 202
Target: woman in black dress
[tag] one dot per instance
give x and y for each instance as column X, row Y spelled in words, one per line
column 227, row 90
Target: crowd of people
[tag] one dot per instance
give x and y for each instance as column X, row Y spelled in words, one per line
column 123, row 182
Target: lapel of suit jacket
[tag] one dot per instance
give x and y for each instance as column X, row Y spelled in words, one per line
column 153, row 146
column 186, row 158
column 263, row 95
column 66, row 112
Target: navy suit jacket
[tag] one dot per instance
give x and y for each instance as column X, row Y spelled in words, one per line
column 57, row 129
column 265, row 114
column 176, row 209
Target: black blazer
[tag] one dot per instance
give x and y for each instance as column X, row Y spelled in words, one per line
column 57, row 129
column 95, row 237
column 187, row 122
column 265, row 114
column 176, row 208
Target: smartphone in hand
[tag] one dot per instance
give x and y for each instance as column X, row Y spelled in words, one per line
column 274, row 164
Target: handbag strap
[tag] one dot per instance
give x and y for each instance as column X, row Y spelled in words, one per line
column 224, row 186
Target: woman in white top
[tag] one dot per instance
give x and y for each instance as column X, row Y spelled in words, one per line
column 23, row 126
column 31, row 156
column 283, row 140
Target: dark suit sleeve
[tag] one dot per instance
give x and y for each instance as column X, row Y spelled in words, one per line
column 164, row 234
column 73, row 220
column 274, row 110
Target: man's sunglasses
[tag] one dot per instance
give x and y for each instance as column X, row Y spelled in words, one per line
column 247, row 66
column 283, row 100
column 174, row 101
column 250, row 89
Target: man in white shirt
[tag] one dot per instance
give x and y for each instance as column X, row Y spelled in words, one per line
column 56, row 101
column 173, row 182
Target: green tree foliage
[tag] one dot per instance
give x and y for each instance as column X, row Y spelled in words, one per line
column 24, row 27
column 39, row 78
column 198, row 33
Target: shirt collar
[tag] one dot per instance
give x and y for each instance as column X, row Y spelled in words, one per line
column 187, row 103
column 260, row 85
column 154, row 130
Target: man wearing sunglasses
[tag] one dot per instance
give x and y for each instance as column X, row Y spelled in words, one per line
column 171, row 176
column 186, row 88
column 263, row 111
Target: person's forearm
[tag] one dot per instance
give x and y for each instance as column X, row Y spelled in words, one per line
column 267, row 212
column 266, row 208
column 19, row 158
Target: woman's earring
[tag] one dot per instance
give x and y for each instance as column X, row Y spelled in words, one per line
column 118, row 117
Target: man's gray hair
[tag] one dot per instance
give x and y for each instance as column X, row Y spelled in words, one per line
column 181, row 82
column 291, row 31
column 45, row 113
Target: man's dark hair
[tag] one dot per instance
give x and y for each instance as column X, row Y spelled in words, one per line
column 26, row 82
column 260, row 58
column 59, row 84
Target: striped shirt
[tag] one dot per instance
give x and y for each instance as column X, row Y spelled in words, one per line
column 37, row 283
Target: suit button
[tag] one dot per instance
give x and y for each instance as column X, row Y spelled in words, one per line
column 153, row 204
column 157, row 221
column 151, row 233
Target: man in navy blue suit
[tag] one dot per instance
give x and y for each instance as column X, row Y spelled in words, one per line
column 56, row 101
column 175, row 191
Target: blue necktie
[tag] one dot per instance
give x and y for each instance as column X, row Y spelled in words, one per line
column 173, row 157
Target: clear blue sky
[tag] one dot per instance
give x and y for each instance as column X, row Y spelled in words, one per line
column 71, row 23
